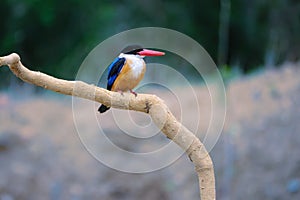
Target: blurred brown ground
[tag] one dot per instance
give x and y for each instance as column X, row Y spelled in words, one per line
column 256, row 157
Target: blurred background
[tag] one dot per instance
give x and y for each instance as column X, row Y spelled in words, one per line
column 256, row 46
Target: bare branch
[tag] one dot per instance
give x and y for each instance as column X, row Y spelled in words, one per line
column 146, row 103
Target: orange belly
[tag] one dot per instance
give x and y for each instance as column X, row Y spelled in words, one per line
column 127, row 80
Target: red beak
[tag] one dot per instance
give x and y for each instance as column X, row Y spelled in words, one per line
column 147, row 52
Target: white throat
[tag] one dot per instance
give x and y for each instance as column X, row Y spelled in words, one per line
column 136, row 63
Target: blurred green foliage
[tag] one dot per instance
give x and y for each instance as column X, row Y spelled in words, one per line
column 54, row 36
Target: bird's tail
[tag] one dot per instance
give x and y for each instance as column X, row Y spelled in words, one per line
column 103, row 108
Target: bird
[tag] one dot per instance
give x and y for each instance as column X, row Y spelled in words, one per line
column 127, row 70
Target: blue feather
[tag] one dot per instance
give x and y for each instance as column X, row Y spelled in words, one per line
column 113, row 71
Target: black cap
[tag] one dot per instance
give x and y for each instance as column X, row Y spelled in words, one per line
column 132, row 49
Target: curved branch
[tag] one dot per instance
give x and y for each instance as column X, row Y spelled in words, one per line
column 146, row 103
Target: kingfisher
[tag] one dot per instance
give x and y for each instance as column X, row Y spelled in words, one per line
column 127, row 70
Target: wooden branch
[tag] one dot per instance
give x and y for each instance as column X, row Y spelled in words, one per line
column 146, row 103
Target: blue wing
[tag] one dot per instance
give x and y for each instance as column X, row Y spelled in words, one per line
column 113, row 71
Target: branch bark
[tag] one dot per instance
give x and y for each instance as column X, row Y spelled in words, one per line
column 146, row 103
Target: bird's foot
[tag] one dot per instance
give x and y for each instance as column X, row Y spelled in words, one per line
column 132, row 92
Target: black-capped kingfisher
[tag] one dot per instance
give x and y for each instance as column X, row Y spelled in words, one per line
column 127, row 70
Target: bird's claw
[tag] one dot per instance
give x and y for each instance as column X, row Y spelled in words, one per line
column 132, row 92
